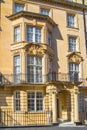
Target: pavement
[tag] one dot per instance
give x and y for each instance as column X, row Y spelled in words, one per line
column 47, row 128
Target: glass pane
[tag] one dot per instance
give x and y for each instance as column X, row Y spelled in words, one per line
column 17, row 34
column 72, row 43
column 31, row 94
column 44, row 11
column 18, row 7
column 17, row 101
column 30, row 60
column 74, row 72
column 39, row 95
column 38, row 61
column 71, row 20
column 38, row 35
column 39, row 105
column 31, row 105
column 17, row 60
column 30, row 33
column 50, row 38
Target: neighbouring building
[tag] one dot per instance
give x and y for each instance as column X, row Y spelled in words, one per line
column 43, row 62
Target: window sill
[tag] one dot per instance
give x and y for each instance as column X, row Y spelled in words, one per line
column 72, row 27
column 34, row 112
column 74, row 51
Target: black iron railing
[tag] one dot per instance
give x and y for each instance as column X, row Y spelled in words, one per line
column 38, row 78
column 24, row 118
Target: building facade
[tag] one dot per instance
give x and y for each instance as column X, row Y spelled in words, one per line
column 43, row 62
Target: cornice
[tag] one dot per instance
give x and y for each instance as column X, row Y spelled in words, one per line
column 31, row 15
column 63, row 3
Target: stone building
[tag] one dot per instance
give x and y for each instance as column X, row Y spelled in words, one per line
column 43, row 62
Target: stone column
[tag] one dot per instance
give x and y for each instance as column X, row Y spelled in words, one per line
column 54, row 107
column 45, row 40
column 72, row 106
column 52, row 113
column 76, row 119
column 23, row 66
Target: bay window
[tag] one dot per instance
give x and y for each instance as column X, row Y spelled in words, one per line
column 34, row 69
column 33, row 34
column 35, row 101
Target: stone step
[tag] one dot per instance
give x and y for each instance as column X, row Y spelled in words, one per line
column 67, row 124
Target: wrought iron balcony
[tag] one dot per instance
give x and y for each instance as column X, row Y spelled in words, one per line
column 9, row 79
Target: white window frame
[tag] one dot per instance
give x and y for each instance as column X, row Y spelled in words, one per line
column 18, row 7
column 18, row 101
column 33, row 34
column 17, row 66
column 74, row 71
column 72, row 42
column 17, row 33
column 34, row 65
column 71, row 20
column 35, row 101
column 45, row 11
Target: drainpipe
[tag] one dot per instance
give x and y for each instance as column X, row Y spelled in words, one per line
column 84, row 20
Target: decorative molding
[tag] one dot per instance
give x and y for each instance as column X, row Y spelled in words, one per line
column 73, row 4
column 35, row 49
column 75, row 57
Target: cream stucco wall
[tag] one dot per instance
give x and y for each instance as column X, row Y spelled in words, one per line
column 58, row 53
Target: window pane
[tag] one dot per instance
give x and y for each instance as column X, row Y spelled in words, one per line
column 17, row 34
column 17, row 101
column 33, row 34
column 38, row 35
column 74, row 72
column 39, row 101
column 39, row 95
column 31, row 101
column 39, row 105
column 44, row 11
column 31, row 95
column 16, row 60
column 16, row 69
column 35, row 101
column 38, row 61
column 50, row 38
column 34, row 69
column 72, row 44
column 71, row 20
column 18, row 7
column 81, row 102
column 30, row 60
column 30, row 34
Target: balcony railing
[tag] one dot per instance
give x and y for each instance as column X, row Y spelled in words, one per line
column 38, row 78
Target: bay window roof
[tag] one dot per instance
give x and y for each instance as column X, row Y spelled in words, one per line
column 31, row 15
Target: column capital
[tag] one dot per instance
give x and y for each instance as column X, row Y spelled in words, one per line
column 51, row 89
